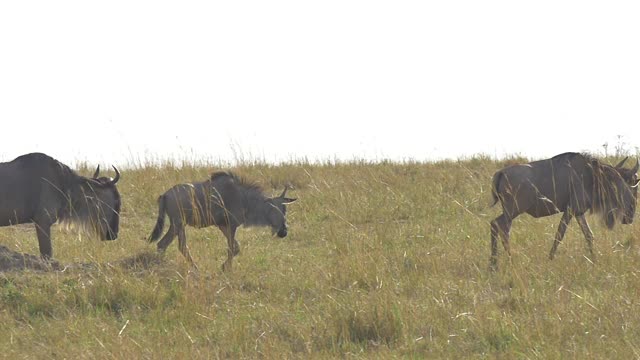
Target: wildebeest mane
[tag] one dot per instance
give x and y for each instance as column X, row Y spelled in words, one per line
column 246, row 185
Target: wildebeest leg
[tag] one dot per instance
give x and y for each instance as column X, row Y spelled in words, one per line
column 500, row 226
column 167, row 238
column 566, row 218
column 43, row 230
column 182, row 245
column 588, row 235
column 233, row 248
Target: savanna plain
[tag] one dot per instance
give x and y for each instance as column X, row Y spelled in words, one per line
column 383, row 260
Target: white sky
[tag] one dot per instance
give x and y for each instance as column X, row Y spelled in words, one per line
column 112, row 81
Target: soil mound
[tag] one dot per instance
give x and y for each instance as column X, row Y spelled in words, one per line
column 13, row 261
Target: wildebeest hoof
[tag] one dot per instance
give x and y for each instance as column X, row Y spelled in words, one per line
column 493, row 264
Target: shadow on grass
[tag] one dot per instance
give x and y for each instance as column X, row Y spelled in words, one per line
column 142, row 261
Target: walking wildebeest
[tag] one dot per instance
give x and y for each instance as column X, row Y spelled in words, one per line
column 225, row 201
column 571, row 183
column 36, row 188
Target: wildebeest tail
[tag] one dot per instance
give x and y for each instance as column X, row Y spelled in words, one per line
column 495, row 183
column 157, row 230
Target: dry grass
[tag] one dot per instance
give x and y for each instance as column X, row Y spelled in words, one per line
column 382, row 260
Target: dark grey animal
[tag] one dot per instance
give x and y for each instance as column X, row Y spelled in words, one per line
column 571, row 183
column 225, row 201
column 36, row 188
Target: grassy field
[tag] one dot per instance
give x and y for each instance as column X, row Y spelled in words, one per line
column 382, row 261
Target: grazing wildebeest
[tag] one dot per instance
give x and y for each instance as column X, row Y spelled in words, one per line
column 225, row 201
column 571, row 183
column 36, row 188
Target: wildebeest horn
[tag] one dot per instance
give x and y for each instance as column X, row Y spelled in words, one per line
column 622, row 162
column 115, row 180
column 284, row 192
column 95, row 174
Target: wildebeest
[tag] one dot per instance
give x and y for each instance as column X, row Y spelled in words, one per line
column 35, row 188
column 226, row 201
column 571, row 183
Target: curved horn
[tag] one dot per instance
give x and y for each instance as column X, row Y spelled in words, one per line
column 622, row 162
column 95, row 174
column 284, row 192
column 115, row 180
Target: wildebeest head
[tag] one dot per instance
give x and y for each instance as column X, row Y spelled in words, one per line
column 104, row 210
column 617, row 194
column 630, row 194
column 277, row 212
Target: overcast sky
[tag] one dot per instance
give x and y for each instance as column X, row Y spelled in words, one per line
column 112, row 81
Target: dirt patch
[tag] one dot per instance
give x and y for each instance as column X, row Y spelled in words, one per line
column 14, row 261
